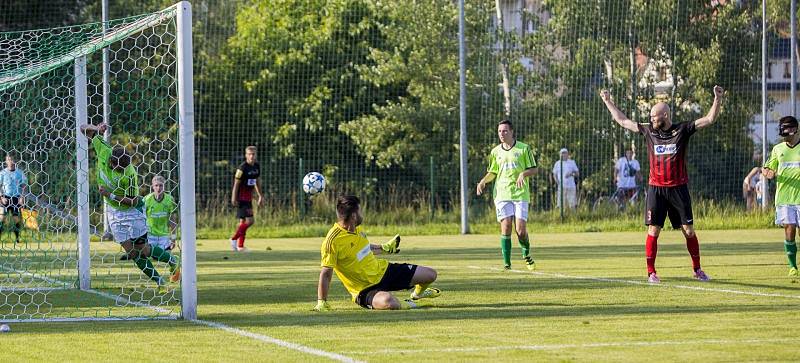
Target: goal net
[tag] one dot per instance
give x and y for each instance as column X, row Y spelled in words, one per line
column 57, row 259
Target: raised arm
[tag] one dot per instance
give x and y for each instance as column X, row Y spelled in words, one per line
column 709, row 118
column 618, row 116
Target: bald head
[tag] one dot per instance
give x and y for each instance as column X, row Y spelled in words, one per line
column 660, row 116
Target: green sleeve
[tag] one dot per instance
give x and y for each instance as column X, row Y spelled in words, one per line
column 101, row 148
column 530, row 161
column 493, row 167
column 772, row 162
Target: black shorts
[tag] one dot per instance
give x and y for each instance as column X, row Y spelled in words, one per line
column 11, row 205
column 674, row 202
column 397, row 277
column 245, row 210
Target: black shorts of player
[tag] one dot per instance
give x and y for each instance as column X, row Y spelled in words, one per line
column 674, row 202
column 245, row 210
column 397, row 277
column 11, row 205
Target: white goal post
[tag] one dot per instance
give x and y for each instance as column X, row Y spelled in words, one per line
column 54, row 263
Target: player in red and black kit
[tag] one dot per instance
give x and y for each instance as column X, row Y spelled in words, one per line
column 668, row 192
column 245, row 182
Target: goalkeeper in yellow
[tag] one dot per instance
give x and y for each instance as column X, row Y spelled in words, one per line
column 510, row 165
column 784, row 164
column 369, row 279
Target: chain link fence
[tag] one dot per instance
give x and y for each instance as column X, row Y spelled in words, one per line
column 367, row 92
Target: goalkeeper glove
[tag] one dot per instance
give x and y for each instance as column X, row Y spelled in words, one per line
column 322, row 305
column 392, row 245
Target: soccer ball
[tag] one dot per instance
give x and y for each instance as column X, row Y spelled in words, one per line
column 313, row 183
column 5, row 328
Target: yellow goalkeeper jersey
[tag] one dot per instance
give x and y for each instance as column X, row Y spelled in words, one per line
column 350, row 256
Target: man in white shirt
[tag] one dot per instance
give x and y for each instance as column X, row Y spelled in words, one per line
column 567, row 179
column 626, row 173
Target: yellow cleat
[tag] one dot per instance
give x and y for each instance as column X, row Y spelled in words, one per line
column 429, row 293
column 793, row 272
column 530, row 263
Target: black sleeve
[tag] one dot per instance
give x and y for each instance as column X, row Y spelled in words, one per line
column 641, row 128
column 689, row 128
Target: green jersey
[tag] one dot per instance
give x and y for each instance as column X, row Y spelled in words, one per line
column 158, row 214
column 120, row 184
column 785, row 161
column 507, row 165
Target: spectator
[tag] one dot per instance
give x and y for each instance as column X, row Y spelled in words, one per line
column 626, row 175
column 566, row 179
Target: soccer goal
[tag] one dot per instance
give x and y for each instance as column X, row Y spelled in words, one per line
column 53, row 81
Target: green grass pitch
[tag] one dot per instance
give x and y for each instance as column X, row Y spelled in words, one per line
column 586, row 302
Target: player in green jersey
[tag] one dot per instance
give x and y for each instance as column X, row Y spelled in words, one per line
column 158, row 207
column 510, row 165
column 118, row 184
column 784, row 163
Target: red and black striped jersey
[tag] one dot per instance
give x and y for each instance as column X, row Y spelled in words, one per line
column 248, row 174
column 666, row 151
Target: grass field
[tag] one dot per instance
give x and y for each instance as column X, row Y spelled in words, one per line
column 587, row 301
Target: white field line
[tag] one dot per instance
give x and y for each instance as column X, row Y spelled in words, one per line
column 29, row 289
column 632, row 282
column 90, row 318
column 173, row 316
column 579, row 346
column 278, row 342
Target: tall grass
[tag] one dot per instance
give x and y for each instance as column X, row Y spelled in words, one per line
column 418, row 218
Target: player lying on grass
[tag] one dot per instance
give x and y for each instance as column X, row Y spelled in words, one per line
column 784, row 163
column 370, row 280
column 119, row 186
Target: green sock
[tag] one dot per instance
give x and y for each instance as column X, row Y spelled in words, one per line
column 505, row 244
column 525, row 244
column 162, row 255
column 791, row 252
column 146, row 266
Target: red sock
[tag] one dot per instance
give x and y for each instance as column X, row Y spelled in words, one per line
column 650, row 251
column 244, row 233
column 240, row 230
column 694, row 251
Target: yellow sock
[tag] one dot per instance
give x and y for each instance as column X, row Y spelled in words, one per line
column 420, row 288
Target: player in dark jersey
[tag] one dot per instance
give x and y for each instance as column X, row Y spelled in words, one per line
column 245, row 182
column 668, row 192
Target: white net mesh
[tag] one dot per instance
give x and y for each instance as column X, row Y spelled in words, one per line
column 39, row 271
